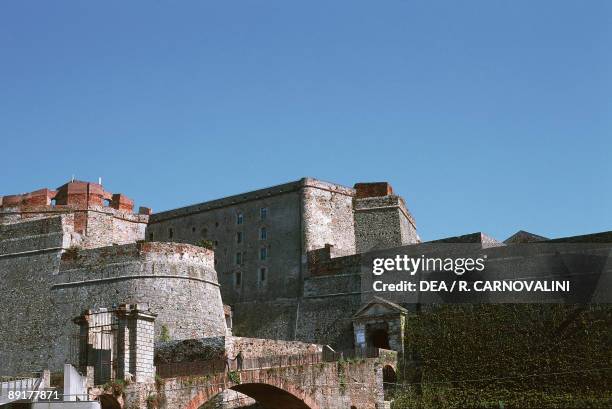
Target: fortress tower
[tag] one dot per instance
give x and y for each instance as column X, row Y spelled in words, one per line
column 78, row 248
column 92, row 211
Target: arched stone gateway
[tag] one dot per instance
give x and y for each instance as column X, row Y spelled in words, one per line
column 389, row 381
column 270, row 397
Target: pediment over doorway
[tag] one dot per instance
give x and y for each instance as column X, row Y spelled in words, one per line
column 379, row 307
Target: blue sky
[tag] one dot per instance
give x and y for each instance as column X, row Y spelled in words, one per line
column 486, row 116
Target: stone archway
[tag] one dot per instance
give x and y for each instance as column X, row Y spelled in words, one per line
column 269, row 396
column 389, row 381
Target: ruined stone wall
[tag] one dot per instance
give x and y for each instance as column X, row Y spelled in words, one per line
column 45, row 283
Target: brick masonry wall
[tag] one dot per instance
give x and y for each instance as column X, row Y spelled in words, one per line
column 255, row 347
column 329, row 385
column 93, row 225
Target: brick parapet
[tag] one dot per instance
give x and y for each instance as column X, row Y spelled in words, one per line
column 70, row 197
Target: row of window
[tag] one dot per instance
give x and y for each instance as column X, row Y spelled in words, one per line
column 263, row 235
column 263, row 256
column 263, row 215
column 261, row 278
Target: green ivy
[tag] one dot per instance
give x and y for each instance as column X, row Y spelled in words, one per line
column 523, row 355
column 164, row 336
column 234, row 377
column 207, row 244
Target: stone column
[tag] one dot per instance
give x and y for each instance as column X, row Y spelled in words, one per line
column 135, row 342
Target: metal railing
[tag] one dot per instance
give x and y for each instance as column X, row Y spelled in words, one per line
column 14, row 388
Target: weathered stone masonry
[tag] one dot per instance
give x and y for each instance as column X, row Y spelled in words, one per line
column 309, row 223
column 51, row 270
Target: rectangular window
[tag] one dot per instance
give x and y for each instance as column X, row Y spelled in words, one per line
column 263, row 234
column 150, row 236
column 262, row 274
column 238, row 278
column 263, row 253
column 170, row 233
column 239, row 218
column 239, row 237
column 238, row 258
column 263, row 213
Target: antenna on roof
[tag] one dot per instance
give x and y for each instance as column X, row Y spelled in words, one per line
column 72, row 180
column 100, row 180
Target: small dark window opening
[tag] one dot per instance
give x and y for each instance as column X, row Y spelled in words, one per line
column 216, row 224
column 262, row 274
column 150, row 236
column 239, row 237
column 263, row 233
column 204, row 233
column 239, row 218
column 263, row 253
column 170, row 233
column 238, row 278
column 263, row 213
column 193, row 229
column 238, row 258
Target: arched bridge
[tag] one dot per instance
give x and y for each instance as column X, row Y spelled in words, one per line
column 282, row 382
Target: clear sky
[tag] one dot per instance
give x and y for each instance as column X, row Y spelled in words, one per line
column 485, row 115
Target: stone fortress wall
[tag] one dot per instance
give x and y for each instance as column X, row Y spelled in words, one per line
column 79, row 247
column 55, row 263
column 309, row 223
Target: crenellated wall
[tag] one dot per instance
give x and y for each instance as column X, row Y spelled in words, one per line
column 100, row 218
